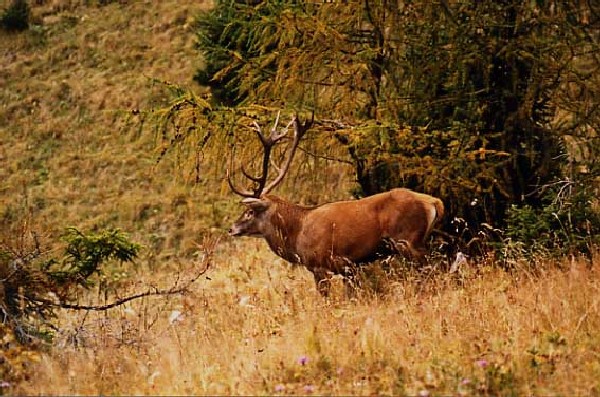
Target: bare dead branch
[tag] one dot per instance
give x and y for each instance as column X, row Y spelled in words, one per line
column 322, row 157
column 208, row 246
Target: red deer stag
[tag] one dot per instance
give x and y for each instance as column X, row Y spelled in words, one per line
column 329, row 237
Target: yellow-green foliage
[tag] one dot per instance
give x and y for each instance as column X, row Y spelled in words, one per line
column 451, row 99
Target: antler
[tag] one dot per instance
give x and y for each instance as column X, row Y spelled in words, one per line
column 268, row 142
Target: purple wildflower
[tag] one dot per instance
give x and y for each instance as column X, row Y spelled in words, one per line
column 279, row 388
column 482, row 363
column 309, row 389
column 303, row 360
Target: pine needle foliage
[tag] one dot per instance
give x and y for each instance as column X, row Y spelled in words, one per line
column 481, row 103
column 33, row 285
column 85, row 253
column 16, row 16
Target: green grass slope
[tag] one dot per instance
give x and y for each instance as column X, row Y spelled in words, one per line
column 72, row 152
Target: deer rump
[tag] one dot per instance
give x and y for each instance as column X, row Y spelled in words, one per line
column 329, row 237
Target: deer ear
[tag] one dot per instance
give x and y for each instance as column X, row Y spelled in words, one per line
column 258, row 205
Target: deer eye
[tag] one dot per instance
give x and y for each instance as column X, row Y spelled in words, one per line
column 250, row 213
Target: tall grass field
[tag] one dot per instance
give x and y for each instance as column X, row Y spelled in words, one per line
column 74, row 151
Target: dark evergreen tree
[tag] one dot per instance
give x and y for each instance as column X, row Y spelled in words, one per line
column 16, row 16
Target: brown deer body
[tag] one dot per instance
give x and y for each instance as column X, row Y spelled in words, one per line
column 329, row 237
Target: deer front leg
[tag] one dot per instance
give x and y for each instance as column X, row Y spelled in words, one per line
column 322, row 280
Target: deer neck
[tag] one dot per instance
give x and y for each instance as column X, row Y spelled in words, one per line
column 286, row 222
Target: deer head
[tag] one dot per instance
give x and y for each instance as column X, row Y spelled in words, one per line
column 252, row 222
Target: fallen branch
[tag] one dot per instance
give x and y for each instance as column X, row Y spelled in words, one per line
column 174, row 290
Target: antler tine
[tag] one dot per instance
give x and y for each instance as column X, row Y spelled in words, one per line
column 268, row 143
column 276, row 136
column 256, row 127
column 251, row 177
column 274, row 129
column 263, row 139
column 239, row 192
column 299, row 131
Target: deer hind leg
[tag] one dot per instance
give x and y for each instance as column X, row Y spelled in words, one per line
column 414, row 253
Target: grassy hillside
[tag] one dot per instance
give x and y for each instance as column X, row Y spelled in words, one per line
column 71, row 151
column 74, row 151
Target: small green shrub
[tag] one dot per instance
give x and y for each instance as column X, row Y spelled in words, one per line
column 566, row 223
column 86, row 253
column 34, row 286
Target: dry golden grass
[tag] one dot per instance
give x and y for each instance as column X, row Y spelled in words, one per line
column 259, row 327
column 71, row 153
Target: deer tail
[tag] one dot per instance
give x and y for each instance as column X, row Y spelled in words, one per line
column 439, row 210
